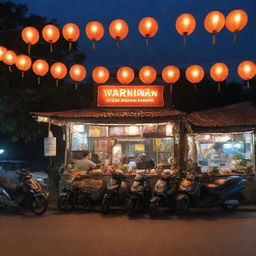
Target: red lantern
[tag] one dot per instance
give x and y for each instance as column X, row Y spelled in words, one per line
column 185, row 25
column 77, row 73
column 9, row 58
column 236, row 21
column 51, row 34
column 171, row 74
column 118, row 29
column 195, row 74
column 40, row 68
column 94, row 31
column 30, row 36
column 148, row 27
column 71, row 33
column 23, row 63
column 125, row 75
column 100, row 75
column 214, row 23
column 58, row 71
column 2, row 51
column 219, row 72
column 246, row 70
column 147, row 74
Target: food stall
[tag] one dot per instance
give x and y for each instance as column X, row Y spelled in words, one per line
column 122, row 124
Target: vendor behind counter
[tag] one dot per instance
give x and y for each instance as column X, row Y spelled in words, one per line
column 85, row 164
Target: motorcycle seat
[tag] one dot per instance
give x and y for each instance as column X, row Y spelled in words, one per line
column 219, row 184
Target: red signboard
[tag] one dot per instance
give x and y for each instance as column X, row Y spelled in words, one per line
column 130, row 96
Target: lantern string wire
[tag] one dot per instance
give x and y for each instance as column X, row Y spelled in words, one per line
column 108, row 20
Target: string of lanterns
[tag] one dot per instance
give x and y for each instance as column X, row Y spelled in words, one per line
column 185, row 25
column 125, row 75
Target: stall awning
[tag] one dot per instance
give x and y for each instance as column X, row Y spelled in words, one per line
column 112, row 115
column 235, row 117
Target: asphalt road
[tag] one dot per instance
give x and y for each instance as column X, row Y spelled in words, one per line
column 91, row 234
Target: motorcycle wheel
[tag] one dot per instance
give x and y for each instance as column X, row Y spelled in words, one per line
column 153, row 208
column 181, row 207
column 64, row 204
column 37, row 205
column 131, row 204
column 105, row 205
column 233, row 208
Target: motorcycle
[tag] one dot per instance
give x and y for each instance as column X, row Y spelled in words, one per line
column 80, row 191
column 138, row 196
column 223, row 192
column 112, row 194
column 164, row 193
column 26, row 196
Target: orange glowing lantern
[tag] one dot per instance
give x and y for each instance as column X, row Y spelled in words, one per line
column 77, row 73
column 51, row 34
column 214, row 23
column 30, row 36
column 40, row 68
column 71, row 33
column 246, row 70
column 23, row 63
column 58, row 71
column 9, row 58
column 236, row 21
column 118, row 29
column 147, row 74
column 125, row 75
column 94, row 31
column 2, row 51
column 219, row 72
column 148, row 27
column 195, row 74
column 185, row 25
column 100, row 75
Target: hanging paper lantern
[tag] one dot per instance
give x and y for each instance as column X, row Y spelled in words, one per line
column 236, row 21
column 219, row 72
column 171, row 74
column 148, row 27
column 58, row 71
column 125, row 75
column 2, row 51
column 23, row 63
column 195, row 74
column 71, row 33
column 51, row 34
column 118, row 29
column 100, row 75
column 246, row 70
column 147, row 74
column 9, row 58
column 40, row 68
column 77, row 73
column 185, row 25
column 214, row 23
column 94, row 31
column 30, row 36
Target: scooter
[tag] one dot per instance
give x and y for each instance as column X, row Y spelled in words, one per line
column 139, row 195
column 223, row 192
column 164, row 193
column 112, row 195
column 27, row 196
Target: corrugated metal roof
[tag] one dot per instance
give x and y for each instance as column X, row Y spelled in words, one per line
column 242, row 114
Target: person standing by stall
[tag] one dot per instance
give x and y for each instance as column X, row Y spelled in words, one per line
column 86, row 164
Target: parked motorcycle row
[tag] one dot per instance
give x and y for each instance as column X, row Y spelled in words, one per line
column 180, row 194
column 174, row 192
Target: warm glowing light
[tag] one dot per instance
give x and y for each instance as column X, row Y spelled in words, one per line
column 23, row 62
column 40, row 67
column 125, row 75
column 236, row 20
column 147, row 74
column 246, row 70
column 219, row 72
column 185, row 24
column 30, row 35
column 171, row 74
column 77, row 72
column 9, row 57
column 94, row 30
column 195, row 74
column 118, row 29
column 100, row 75
column 58, row 70
column 51, row 34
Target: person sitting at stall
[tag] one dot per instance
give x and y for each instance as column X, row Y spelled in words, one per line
column 146, row 164
column 86, row 164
